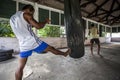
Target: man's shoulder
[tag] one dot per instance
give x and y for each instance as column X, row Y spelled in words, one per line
column 27, row 16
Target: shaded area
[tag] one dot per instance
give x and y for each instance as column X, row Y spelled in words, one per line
column 52, row 67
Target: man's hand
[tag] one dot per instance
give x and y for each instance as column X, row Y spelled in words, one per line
column 47, row 20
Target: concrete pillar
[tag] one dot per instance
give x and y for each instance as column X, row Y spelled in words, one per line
column 87, row 30
column 74, row 28
column 50, row 16
column 111, row 32
column 99, row 30
column 17, row 5
column 59, row 18
column 36, row 15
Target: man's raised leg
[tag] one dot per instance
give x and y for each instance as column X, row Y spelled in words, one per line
column 57, row 52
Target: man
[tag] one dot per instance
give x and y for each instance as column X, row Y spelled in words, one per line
column 94, row 38
column 21, row 23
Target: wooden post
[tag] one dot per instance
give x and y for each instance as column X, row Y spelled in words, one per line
column 74, row 27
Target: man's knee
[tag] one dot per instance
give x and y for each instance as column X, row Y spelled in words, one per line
column 49, row 48
column 98, row 45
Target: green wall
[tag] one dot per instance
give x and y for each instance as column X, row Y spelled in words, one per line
column 7, row 8
column 54, row 18
column 43, row 14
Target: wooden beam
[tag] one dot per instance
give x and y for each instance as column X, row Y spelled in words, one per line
column 85, row 11
column 110, row 11
column 98, row 14
column 85, row 4
column 61, row 1
column 97, row 8
column 112, row 21
column 117, row 2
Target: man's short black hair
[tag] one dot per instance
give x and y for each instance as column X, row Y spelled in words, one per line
column 92, row 25
column 30, row 7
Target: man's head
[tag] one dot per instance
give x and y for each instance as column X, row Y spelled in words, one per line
column 92, row 25
column 29, row 9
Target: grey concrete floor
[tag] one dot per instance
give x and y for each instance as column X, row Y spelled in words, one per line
column 51, row 67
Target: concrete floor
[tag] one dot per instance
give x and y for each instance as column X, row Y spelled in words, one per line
column 52, row 67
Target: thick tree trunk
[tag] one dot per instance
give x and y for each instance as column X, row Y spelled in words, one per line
column 74, row 27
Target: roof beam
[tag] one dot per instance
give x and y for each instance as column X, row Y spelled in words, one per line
column 98, row 14
column 110, row 11
column 61, row 1
column 113, row 20
column 85, row 11
column 85, row 4
column 117, row 2
column 98, row 7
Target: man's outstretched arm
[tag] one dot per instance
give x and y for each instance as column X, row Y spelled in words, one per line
column 29, row 18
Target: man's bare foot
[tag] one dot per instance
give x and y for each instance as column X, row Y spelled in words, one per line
column 67, row 52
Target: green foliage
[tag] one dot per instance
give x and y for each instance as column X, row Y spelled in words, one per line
column 50, row 31
column 5, row 30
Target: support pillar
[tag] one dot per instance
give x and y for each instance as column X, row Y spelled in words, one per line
column 17, row 5
column 74, row 28
column 36, row 15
